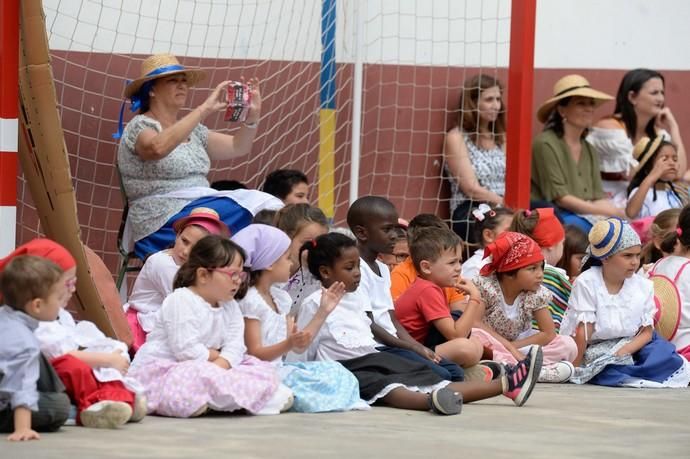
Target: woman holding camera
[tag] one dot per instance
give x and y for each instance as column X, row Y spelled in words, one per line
column 164, row 158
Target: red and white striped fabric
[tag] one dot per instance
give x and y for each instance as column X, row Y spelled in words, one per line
column 9, row 87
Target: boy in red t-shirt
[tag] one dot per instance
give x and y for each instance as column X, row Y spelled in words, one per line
column 423, row 308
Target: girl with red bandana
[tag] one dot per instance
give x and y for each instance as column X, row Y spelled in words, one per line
column 511, row 286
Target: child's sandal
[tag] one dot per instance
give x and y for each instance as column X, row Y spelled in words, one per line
column 445, row 401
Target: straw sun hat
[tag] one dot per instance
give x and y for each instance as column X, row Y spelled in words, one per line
column 570, row 86
column 161, row 65
column 645, row 148
column 610, row 236
column 668, row 304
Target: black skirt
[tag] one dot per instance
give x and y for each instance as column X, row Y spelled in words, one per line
column 377, row 370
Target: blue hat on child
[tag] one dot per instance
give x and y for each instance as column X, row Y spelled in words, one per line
column 263, row 245
column 610, row 236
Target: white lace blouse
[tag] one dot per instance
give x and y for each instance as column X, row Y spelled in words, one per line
column 153, row 284
column 273, row 325
column 614, row 316
column 187, row 326
column 64, row 335
column 346, row 333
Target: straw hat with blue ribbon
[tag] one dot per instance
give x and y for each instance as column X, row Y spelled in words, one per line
column 152, row 68
column 610, row 236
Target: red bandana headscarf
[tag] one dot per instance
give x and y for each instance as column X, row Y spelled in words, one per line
column 548, row 231
column 511, row 251
column 44, row 248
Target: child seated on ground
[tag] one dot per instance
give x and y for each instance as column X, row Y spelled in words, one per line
column 663, row 228
column 289, row 185
column 194, row 358
column 401, row 250
column 511, row 286
column 611, row 315
column 32, row 397
column 544, row 228
column 654, row 186
column 423, row 308
column 405, row 273
column 91, row 366
column 574, row 250
column 676, row 267
column 489, row 223
column 302, row 223
column 155, row 280
column 374, row 222
column 270, row 333
column 387, row 378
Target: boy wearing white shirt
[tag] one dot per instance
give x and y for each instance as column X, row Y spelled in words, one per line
column 374, row 222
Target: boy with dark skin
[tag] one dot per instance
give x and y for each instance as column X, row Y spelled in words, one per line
column 374, row 222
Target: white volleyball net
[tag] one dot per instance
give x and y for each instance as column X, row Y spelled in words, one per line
column 414, row 56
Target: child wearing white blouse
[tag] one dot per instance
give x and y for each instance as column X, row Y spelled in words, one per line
column 611, row 316
column 384, row 377
column 194, row 358
column 270, row 332
column 155, row 280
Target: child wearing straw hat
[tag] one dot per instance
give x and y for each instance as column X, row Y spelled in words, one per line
column 565, row 168
column 654, row 186
column 677, row 268
column 155, row 280
column 611, row 315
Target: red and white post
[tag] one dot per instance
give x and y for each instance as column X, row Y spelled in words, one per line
column 9, row 102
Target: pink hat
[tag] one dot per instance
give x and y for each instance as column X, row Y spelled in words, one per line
column 204, row 217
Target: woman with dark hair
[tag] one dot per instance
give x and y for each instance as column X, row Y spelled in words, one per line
column 475, row 160
column 565, row 167
column 639, row 112
column 165, row 154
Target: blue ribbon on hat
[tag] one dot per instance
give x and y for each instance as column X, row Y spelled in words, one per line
column 142, row 94
column 609, row 235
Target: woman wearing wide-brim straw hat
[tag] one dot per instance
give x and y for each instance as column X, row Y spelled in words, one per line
column 164, row 156
column 565, row 168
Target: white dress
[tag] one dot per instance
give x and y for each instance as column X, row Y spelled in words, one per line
column 64, row 335
column 346, row 336
column 317, row 386
column 153, row 284
column 614, row 316
column 472, row 266
column 174, row 368
column 617, row 318
column 665, row 199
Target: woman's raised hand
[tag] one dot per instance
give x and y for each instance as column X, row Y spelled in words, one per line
column 217, row 100
column 255, row 105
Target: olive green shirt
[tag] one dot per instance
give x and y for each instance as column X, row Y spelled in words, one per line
column 555, row 173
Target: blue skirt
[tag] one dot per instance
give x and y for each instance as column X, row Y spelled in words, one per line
column 320, row 386
column 233, row 214
column 656, row 361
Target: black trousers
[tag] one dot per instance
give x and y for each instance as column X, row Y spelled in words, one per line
column 53, row 403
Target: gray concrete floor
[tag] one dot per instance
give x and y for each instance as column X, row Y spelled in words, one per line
column 557, row 422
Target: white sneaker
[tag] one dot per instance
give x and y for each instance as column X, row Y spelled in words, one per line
column 558, row 372
column 140, row 408
column 106, row 415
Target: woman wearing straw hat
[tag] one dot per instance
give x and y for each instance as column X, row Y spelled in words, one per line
column 639, row 112
column 565, row 168
column 164, row 158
